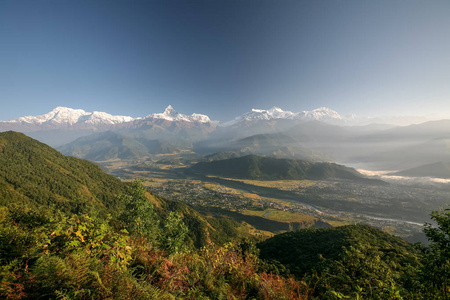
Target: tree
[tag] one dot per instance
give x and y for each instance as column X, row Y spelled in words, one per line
column 138, row 216
column 172, row 237
column 437, row 257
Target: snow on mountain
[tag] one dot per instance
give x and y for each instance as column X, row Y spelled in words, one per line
column 171, row 114
column 68, row 116
column 320, row 114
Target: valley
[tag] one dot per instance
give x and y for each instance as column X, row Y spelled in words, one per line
column 396, row 207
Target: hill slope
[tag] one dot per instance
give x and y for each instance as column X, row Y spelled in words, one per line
column 302, row 251
column 40, row 177
column 34, row 173
column 351, row 260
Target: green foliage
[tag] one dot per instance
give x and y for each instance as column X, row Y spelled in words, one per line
column 356, row 261
column 172, row 237
column 84, row 258
column 35, row 174
column 138, row 215
column 437, row 256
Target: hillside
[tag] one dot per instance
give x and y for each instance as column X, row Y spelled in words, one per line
column 349, row 259
column 302, row 251
column 259, row 167
column 36, row 174
column 40, row 177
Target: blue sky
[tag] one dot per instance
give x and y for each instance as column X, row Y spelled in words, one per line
column 222, row 58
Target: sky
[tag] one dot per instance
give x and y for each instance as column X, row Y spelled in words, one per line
column 223, row 58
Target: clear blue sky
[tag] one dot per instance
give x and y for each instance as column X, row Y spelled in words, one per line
column 222, row 58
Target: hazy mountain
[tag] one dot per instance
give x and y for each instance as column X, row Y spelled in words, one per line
column 416, row 132
column 259, row 167
column 105, row 146
column 276, row 145
column 435, row 170
column 400, row 155
column 179, row 133
column 275, row 113
column 112, row 145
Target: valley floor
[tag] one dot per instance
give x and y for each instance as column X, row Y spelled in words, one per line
column 276, row 206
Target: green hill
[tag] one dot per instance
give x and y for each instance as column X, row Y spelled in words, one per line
column 303, row 251
column 348, row 259
column 259, row 167
column 36, row 174
column 40, row 177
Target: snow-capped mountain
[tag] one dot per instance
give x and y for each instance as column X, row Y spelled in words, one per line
column 63, row 125
column 320, row 114
column 171, row 114
column 68, row 116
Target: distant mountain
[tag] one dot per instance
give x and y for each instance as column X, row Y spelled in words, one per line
column 105, row 146
column 63, row 125
column 268, row 168
column 435, row 170
column 395, row 155
column 316, row 131
column 63, row 117
column 276, row 145
column 170, row 114
column 275, row 113
column 112, row 145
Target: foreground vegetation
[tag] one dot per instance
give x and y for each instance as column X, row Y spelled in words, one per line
column 131, row 257
column 136, row 256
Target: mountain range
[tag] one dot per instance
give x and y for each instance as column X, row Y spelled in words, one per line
column 320, row 135
column 64, row 117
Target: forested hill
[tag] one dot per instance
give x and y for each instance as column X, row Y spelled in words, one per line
column 36, row 174
column 348, row 258
column 302, row 251
column 261, row 167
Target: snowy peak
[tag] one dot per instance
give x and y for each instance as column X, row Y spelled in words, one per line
column 320, row 114
column 170, row 114
column 68, row 116
column 59, row 115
